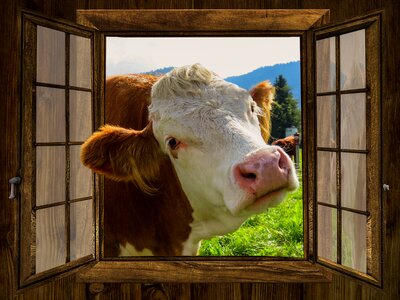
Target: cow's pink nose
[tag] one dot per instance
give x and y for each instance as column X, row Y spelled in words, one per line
column 263, row 172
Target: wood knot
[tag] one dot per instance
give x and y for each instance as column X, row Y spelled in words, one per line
column 96, row 288
column 153, row 292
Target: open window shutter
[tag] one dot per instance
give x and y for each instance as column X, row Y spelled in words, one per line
column 348, row 210
column 57, row 193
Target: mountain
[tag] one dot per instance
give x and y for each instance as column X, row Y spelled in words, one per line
column 291, row 71
column 160, row 71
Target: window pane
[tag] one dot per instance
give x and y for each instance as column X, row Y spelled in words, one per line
column 326, row 65
column 80, row 176
column 326, row 121
column 50, row 174
column 327, row 233
column 352, row 60
column 50, row 62
column 81, row 229
column 80, row 114
column 50, row 238
column 354, row 180
column 80, row 71
column 50, row 115
column 353, row 123
column 354, row 241
column 326, row 177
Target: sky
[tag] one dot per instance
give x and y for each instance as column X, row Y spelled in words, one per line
column 225, row 56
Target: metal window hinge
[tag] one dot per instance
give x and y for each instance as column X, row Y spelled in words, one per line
column 386, row 187
column 14, row 181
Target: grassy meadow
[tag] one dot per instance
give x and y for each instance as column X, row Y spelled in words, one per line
column 277, row 232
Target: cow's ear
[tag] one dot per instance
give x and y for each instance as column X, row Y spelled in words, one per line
column 124, row 155
column 263, row 94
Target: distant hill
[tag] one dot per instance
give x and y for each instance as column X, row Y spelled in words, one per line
column 160, row 71
column 291, row 71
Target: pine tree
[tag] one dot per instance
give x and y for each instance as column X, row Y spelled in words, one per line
column 285, row 112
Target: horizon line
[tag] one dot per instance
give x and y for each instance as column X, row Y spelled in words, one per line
column 230, row 76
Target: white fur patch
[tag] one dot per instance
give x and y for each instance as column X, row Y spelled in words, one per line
column 217, row 122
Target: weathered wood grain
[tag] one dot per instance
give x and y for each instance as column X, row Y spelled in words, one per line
column 59, row 288
column 204, row 271
column 342, row 287
column 369, row 99
column 204, row 20
column 9, row 146
column 391, row 149
column 27, row 154
column 222, row 291
column 247, row 291
column 139, row 4
column 308, row 138
column 246, row 4
column 166, row 291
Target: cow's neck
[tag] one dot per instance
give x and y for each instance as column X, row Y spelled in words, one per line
column 209, row 222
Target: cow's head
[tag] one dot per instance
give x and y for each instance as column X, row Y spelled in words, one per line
column 209, row 129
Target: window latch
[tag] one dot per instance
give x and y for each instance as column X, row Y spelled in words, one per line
column 386, row 187
column 14, row 181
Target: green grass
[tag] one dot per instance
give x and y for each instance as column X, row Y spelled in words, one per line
column 277, row 232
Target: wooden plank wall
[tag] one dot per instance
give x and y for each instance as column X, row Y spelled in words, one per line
column 341, row 288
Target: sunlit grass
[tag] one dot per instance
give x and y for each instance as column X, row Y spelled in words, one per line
column 277, row 232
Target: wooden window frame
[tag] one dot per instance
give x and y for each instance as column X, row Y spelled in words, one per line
column 372, row 25
column 28, row 208
column 210, row 23
column 213, row 23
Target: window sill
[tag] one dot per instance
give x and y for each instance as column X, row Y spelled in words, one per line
column 204, row 271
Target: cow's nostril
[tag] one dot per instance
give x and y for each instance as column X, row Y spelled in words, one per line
column 249, row 175
column 245, row 175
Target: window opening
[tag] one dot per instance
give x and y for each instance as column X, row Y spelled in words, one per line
column 276, row 59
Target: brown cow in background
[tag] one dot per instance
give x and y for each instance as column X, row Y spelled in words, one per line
column 288, row 144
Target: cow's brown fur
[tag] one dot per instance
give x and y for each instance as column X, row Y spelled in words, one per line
column 288, row 144
column 263, row 94
column 148, row 209
column 158, row 221
column 125, row 155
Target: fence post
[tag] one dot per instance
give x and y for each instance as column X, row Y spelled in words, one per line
column 297, row 152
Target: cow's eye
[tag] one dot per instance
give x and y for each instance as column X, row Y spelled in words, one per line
column 172, row 143
column 173, row 146
column 252, row 107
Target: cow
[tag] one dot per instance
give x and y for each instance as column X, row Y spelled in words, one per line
column 288, row 144
column 185, row 159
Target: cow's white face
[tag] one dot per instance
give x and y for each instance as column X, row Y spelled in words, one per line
column 210, row 130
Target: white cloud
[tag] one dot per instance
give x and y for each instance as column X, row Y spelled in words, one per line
column 225, row 56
